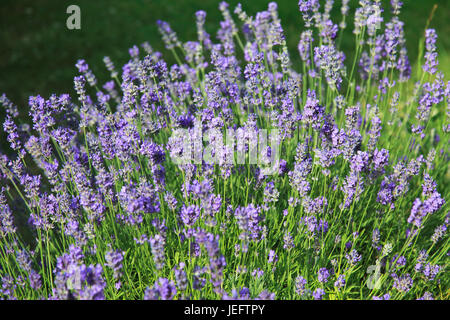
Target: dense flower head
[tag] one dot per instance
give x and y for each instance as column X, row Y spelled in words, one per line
column 249, row 221
column 312, row 111
column 353, row 257
column 163, row 289
column 439, row 233
column 430, row 54
column 153, row 151
column 403, row 283
column 168, row 35
column 304, row 45
column 421, row 209
column 340, row 281
column 331, row 61
column 323, row 275
column 308, row 8
column 300, row 285
column 359, row 161
column 396, row 6
column 189, row 214
column 114, row 260
column 75, row 280
column 380, row 160
column 157, row 244
column 318, row 294
column 6, row 217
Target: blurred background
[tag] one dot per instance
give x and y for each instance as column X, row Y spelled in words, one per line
column 38, row 53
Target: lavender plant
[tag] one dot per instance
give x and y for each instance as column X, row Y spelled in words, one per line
column 96, row 204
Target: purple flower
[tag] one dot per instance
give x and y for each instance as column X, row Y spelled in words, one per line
column 387, row 296
column 380, row 160
column 157, row 244
column 396, row 6
column 100, row 168
column 304, row 45
column 312, row 111
column 95, row 283
column 186, row 121
column 75, row 280
column 10, row 108
column 273, row 257
column 270, row 193
column 24, row 260
column 353, row 185
column 318, row 294
column 297, row 177
column 217, row 262
column 308, row 8
column 431, row 61
column 35, row 280
column 200, row 190
column 189, row 215
column 340, row 281
column 353, row 258
column 323, row 274
column 110, row 67
column 300, row 285
column 6, row 217
column 168, row 35
column 203, row 36
column 288, row 241
column 331, row 61
column 249, row 221
column 426, row 296
column 257, row 273
column 84, row 69
column 266, row 295
column 322, row 226
column 360, row 161
column 13, row 136
column 403, row 283
column 328, row 31
column 181, row 277
column 439, row 233
column 243, row 294
column 114, row 260
column 398, row 262
column 141, row 199
column 153, row 151
column 430, row 271
column 421, row 209
column 315, row 206
column 163, row 289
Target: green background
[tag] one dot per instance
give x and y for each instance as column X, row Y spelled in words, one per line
column 38, row 52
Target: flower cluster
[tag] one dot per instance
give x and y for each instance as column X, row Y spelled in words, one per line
column 145, row 185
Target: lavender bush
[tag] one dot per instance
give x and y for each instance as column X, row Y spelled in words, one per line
column 93, row 204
